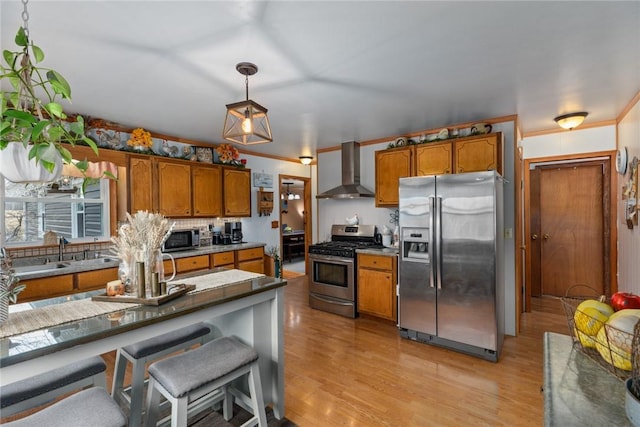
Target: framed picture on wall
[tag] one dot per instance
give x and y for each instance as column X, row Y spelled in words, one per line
column 262, row 180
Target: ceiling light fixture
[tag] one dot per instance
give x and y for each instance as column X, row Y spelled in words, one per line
column 571, row 120
column 305, row 160
column 289, row 195
column 246, row 121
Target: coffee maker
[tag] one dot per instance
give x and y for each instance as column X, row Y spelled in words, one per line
column 233, row 229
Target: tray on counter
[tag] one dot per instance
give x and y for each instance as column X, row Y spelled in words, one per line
column 175, row 291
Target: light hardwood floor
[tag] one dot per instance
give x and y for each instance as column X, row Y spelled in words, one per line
column 359, row 372
column 345, row 372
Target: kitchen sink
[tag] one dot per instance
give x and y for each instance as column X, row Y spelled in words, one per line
column 30, row 269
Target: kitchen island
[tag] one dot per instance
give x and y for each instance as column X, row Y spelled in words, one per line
column 249, row 309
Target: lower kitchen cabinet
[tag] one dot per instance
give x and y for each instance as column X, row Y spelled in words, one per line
column 377, row 279
column 95, row 279
column 46, row 287
column 251, row 260
column 223, row 259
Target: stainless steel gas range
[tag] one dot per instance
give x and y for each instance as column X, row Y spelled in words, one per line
column 333, row 284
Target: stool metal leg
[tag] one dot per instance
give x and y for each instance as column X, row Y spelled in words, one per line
column 255, row 388
column 153, row 403
column 137, row 393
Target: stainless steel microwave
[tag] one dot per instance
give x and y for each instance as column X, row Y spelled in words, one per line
column 182, row 240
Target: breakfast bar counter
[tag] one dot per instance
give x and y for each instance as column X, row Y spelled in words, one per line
column 251, row 309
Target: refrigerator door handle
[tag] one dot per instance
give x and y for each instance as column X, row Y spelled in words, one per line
column 438, row 240
column 432, row 254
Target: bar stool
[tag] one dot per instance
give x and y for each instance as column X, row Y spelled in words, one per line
column 139, row 354
column 206, row 372
column 92, row 407
column 40, row 389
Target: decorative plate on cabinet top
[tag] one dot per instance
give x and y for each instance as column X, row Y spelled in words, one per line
column 443, row 134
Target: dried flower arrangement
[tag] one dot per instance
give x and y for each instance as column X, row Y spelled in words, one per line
column 140, row 138
column 143, row 231
column 274, row 252
column 227, row 153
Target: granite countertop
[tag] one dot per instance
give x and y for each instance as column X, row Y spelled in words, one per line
column 577, row 390
column 71, row 267
column 383, row 251
column 17, row 348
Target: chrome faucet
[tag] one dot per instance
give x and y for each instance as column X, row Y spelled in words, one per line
column 61, row 242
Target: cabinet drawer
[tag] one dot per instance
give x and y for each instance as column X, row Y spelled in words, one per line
column 96, row 278
column 223, row 258
column 255, row 266
column 46, row 287
column 375, row 261
column 253, row 253
column 200, row 262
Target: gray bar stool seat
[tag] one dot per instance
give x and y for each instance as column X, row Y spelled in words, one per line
column 40, row 389
column 142, row 352
column 201, row 373
column 92, row 407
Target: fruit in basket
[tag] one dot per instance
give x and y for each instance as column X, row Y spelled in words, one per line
column 624, row 300
column 611, row 353
column 585, row 340
column 620, row 328
column 591, row 314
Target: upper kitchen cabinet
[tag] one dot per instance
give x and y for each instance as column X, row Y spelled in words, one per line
column 480, row 153
column 237, row 192
column 391, row 165
column 140, row 172
column 174, row 188
column 434, row 159
column 207, row 190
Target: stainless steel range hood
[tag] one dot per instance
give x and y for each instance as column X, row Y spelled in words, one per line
column 350, row 188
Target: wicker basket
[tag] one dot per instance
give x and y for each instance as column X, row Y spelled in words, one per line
column 614, row 344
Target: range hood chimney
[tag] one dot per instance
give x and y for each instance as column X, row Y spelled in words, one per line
column 350, row 188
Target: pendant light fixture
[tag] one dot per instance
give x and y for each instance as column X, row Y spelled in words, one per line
column 246, row 121
column 571, row 120
column 289, row 195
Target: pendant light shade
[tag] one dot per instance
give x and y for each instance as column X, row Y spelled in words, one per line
column 305, row 160
column 16, row 165
column 571, row 120
column 247, row 122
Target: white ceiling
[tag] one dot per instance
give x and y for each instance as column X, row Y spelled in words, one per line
column 335, row 71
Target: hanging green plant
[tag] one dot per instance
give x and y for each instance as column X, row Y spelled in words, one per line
column 41, row 127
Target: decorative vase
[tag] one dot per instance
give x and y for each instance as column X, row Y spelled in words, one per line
column 153, row 264
column 276, row 264
column 17, row 167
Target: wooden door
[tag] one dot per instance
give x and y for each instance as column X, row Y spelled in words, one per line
column 391, row 165
column 569, row 228
column 140, row 184
column 207, row 191
column 237, row 192
column 174, row 188
column 434, row 159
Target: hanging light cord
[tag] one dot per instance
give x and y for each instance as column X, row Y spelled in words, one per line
column 25, row 17
column 246, row 85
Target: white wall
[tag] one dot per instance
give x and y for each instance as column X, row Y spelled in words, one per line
column 628, row 240
column 570, row 142
column 258, row 228
column 331, row 211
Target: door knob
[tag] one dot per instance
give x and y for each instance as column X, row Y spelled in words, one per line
column 534, row 236
column 545, row 236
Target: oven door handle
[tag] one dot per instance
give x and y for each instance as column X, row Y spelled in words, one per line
column 330, row 300
column 330, row 258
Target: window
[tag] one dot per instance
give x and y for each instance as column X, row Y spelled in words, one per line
column 30, row 210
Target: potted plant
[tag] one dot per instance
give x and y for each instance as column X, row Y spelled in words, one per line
column 33, row 132
column 10, row 286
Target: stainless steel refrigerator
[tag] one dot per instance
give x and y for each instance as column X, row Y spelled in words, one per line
column 451, row 281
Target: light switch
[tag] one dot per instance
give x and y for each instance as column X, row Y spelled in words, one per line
column 508, row 233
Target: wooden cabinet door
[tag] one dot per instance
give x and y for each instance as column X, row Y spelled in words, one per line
column 140, row 184
column 46, row 287
column 434, row 159
column 255, row 266
column 391, row 165
column 237, row 192
column 207, row 191
column 479, row 154
column 95, row 279
column 375, row 292
column 174, row 188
